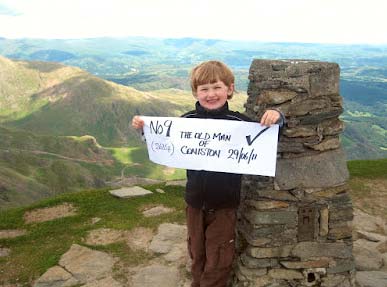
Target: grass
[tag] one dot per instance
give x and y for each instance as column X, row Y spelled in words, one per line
column 368, row 184
column 123, row 155
column 368, row 168
column 136, row 162
column 44, row 243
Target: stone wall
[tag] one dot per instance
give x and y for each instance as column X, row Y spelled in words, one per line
column 296, row 229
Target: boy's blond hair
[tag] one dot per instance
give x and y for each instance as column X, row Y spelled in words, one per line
column 210, row 72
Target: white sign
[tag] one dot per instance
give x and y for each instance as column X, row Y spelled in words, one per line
column 213, row 145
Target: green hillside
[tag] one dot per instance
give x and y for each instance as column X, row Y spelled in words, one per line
column 53, row 120
column 60, row 100
column 34, row 167
column 63, row 129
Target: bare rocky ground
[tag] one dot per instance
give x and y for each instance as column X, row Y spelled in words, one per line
column 49, row 213
column 84, row 266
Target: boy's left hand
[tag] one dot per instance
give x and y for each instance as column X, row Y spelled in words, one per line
column 270, row 117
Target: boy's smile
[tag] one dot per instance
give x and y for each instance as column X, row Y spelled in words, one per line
column 213, row 96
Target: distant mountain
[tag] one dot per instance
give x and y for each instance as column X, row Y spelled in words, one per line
column 52, row 55
column 53, row 99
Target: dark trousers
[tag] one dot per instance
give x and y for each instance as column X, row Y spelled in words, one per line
column 211, row 245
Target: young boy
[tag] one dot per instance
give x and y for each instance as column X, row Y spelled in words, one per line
column 213, row 197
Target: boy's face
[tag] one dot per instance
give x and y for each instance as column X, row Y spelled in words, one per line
column 213, row 96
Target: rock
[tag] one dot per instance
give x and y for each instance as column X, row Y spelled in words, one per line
column 384, row 256
column 156, row 275
column 312, row 236
column 249, row 273
column 326, row 169
column 49, row 213
column 326, row 144
column 367, row 257
column 371, row 278
column 105, row 282
column 289, row 218
column 306, row 250
column 178, row 254
column 322, row 79
column 56, row 277
column 279, row 195
column 157, row 210
column 95, row 220
column 132, row 181
column 333, row 280
column 300, row 131
column 327, row 127
column 275, row 97
column 171, row 242
column 258, row 252
column 285, row 274
column 302, row 108
column 371, row 236
column 267, row 204
column 12, row 233
column 87, row 265
column 366, row 222
column 341, row 266
column 187, row 283
column 324, row 220
column 317, row 263
column 251, row 262
column 139, row 238
column 256, row 241
column 104, row 236
column 263, row 281
column 340, row 230
column 127, row 192
column 167, row 237
column 176, row 183
column 4, row 252
column 159, row 190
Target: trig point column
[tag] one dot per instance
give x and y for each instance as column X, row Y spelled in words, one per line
column 296, row 229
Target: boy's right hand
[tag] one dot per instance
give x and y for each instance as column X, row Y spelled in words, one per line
column 137, row 122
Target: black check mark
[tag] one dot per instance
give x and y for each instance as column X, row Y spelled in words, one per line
column 250, row 141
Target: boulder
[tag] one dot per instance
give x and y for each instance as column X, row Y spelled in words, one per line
column 127, row 192
column 323, row 170
column 156, row 275
column 87, row 265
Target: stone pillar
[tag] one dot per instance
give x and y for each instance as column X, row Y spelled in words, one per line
column 296, row 229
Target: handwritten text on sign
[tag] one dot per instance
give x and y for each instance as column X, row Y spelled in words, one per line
column 214, row 145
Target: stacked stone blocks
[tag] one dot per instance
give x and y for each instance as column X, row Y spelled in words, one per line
column 296, row 229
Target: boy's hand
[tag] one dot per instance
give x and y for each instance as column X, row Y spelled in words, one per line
column 137, row 122
column 270, row 117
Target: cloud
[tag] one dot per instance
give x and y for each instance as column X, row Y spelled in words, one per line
column 7, row 11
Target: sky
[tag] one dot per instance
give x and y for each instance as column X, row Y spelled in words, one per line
column 308, row 21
